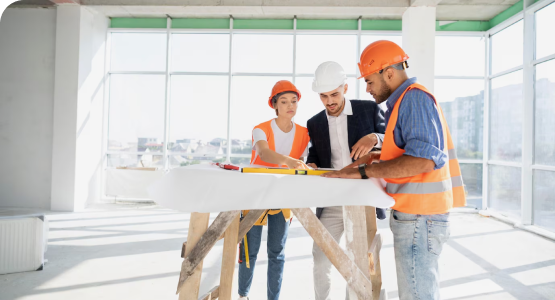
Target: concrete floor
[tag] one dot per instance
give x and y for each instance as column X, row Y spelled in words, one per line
column 133, row 252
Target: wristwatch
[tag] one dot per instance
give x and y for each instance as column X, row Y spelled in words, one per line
column 362, row 170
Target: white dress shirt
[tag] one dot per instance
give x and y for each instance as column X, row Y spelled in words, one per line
column 339, row 137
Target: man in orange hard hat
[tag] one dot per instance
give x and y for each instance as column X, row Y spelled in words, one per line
column 419, row 163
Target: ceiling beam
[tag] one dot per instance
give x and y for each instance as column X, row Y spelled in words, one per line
column 416, row 3
column 65, row 2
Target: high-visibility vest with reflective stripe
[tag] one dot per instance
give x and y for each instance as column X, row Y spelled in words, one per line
column 435, row 192
column 300, row 142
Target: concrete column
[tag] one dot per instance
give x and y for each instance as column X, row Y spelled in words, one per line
column 419, row 28
column 78, row 107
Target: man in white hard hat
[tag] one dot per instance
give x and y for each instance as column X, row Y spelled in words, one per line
column 340, row 134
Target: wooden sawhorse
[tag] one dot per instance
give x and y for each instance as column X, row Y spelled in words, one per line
column 359, row 264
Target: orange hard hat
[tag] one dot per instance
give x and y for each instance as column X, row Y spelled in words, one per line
column 283, row 86
column 379, row 55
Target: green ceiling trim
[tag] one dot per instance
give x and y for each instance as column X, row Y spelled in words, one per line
column 303, row 24
column 463, row 26
column 263, row 24
column 200, row 23
column 509, row 12
column 138, row 23
column 327, row 24
column 396, row 25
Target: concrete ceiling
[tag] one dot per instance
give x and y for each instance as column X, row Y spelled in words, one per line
column 447, row 10
column 32, row 3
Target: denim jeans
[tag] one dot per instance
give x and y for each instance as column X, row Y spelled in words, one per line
column 277, row 235
column 418, row 241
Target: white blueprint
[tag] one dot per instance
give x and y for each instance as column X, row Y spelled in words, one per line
column 206, row 188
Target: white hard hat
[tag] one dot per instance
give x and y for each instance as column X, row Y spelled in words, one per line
column 328, row 76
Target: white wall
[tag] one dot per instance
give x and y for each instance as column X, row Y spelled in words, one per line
column 78, row 107
column 27, row 47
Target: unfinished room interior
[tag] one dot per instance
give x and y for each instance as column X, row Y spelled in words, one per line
column 277, row 149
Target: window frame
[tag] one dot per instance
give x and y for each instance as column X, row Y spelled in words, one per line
column 527, row 165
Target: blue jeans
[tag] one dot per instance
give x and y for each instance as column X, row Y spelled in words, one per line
column 418, row 241
column 277, row 235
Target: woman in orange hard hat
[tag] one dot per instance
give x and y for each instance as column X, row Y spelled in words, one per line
column 419, row 163
column 276, row 143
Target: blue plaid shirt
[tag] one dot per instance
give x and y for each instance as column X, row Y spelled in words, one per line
column 418, row 130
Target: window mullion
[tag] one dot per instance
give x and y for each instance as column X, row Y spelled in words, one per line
column 528, row 102
column 229, row 91
column 167, row 95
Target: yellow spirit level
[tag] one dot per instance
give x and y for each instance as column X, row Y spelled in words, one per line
column 284, row 171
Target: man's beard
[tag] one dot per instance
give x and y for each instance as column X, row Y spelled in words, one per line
column 384, row 93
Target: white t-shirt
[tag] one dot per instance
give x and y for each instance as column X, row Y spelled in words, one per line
column 283, row 140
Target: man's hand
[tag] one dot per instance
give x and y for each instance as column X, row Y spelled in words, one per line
column 365, row 159
column 345, row 173
column 312, row 165
column 364, row 145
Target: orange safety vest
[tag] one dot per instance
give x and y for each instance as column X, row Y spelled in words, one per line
column 435, row 192
column 300, row 142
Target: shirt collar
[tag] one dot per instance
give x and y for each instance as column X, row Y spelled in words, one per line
column 398, row 92
column 347, row 110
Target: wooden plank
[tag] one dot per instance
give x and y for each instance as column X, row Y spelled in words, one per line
column 183, row 249
column 228, row 260
column 371, row 223
column 211, row 295
column 354, row 220
column 197, row 226
column 372, row 232
column 206, row 242
column 374, row 253
column 248, row 221
column 347, row 268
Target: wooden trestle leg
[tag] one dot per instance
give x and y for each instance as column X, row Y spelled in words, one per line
column 197, row 226
column 204, row 245
column 229, row 258
column 354, row 276
column 354, row 220
column 374, row 247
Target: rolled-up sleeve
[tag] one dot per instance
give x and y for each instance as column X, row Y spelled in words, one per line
column 421, row 128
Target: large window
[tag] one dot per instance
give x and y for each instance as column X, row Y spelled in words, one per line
column 459, row 88
column 545, row 22
column 138, row 52
column 312, row 50
column 506, row 48
column 506, row 120
column 167, row 112
column 158, row 103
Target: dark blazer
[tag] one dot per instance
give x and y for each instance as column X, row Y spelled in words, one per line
column 367, row 118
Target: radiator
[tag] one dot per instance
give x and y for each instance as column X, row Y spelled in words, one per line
column 22, row 244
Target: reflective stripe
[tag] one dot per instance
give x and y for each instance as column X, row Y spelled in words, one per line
column 457, row 181
column 452, row 154
column 420, row 187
